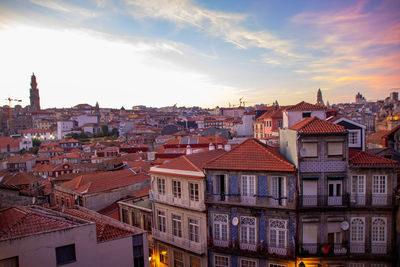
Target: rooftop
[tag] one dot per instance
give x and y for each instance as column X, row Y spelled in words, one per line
column 359, row 158
column 315, row 125
column 304, row 106
column 251, row 155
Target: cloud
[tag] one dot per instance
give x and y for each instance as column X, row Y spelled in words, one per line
column 185, row 13
column 59, row 5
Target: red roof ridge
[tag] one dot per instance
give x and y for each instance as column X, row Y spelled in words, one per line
column 192, row 164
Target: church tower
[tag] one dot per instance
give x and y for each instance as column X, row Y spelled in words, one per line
column 34, row 94
column 320, row 102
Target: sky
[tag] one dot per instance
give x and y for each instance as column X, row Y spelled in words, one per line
column 198, row 53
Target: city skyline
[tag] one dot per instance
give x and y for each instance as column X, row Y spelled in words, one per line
column 198, row 53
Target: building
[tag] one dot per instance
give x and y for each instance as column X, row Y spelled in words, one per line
column 295, row 114
column 23, row 163
column 320, row 102
column 357, row 132
column 34, row 94
column 251, row 206
column 40, row 134
column 96, row 191
column 35, row 236
column 179, row 210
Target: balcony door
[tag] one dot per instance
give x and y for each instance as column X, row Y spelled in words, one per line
column 310, row 192
column 310, row 235
column 335, row 193
column 220, row 187
column 358, row 190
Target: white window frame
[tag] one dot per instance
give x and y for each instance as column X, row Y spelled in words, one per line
column 177, row 188
column 162, row 221
column 194, row 230
column 356, row 232
column 278, row 197
column 161, row 186
column 246, row 230
column 377, row 187
column 275, row 233
column 177, row 225
column 248, row 185
column 248, row 260
column 194, row 189
column 221, row 256
column 378, row 236
column 219, row 225
column 357, row 134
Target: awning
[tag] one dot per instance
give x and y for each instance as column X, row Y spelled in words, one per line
column 336, row 176
column 310, row 177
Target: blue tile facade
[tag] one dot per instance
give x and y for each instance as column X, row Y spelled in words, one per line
column 234, row 229
column 262, row 186
column 292, row 189
column 233, row 185
column 292, row 231
column 262, row 233
column 209, row 183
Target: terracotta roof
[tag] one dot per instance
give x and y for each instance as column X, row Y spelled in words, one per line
column 20, row 178
column 103, row 181
column 106, row 227
column 71, row 140
column 111, row 211
column 359, row 158
column 4, row 141
column 193, row 162
column 23, row 221
column 304, row 106
column 315, row 125
column 143, row 192
column 376, row 138
column 21, row 159
column 251, row 155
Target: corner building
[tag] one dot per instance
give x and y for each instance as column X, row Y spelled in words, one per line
column 251, row 208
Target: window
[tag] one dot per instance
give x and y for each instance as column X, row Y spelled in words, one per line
column 10, row 262
column 178, row 259
column 138, row 258
column 57, row 200
column 358, row 185
column 68, row 203
column 194, row 262
column 162, row 221
column 309, row 150
column 161, row 186
column 248, row 263
column 220, row 186
column 335, row 148
column 306, row 114
column 221, row 227
column 278, row 190
column 279, row 123
column 248, row 230
column 378, row 230
column 194, row 230
column 277, row 233
column 194, row 191
column 125, row 216
column 221, row 261
column 357, row 229
column 379, row 184
column 163, row 254
column 356, row 264
column 176, row 187
column 248, row 186
column 65, row 254
column 354, row 138
column 136, row 218
column 276, row 265
column 177, row 225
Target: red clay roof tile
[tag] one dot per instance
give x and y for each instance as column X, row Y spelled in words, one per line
column 359, row 158
column 315, row 125
column 304, row 106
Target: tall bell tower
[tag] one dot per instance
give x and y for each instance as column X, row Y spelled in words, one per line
column 34, row 94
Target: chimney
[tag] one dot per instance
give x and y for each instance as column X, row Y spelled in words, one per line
column 188, row 150
column 211, row 146
column 220, row 147
column 227, row 147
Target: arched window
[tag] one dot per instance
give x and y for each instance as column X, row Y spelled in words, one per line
column 357, row 229
column 378, row 230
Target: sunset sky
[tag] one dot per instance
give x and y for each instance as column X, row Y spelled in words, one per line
column 198, row 53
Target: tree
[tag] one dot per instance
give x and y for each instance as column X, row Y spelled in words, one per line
column 115, row 132
column 36, row 142
column 104, row 129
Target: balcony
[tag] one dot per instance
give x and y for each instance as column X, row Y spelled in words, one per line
column 179, row 202
column 259, row 201
column 346, row 200
column 196, row 247
column 363, row 249
column 259, row 248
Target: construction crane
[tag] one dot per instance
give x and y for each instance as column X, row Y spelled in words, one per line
column 10, row 100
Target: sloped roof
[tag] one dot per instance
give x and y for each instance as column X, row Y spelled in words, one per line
column 23, row 221
column 315, row 125
column 304, row 106
column 188, row 163
column 4, row 141
column 21, row 158
column 20, row 178
column 376, row 138
column 251, row 155
column 106, row 228
column 359, row 158
column 103, row 181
